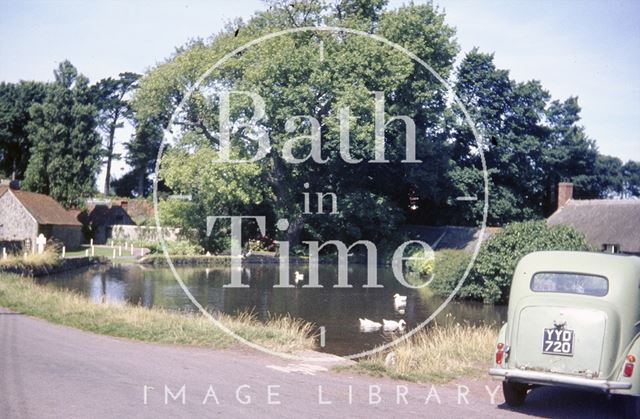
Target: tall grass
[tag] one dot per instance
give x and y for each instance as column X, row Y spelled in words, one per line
column 437, row 354
column 284, row 334
column 47, row 259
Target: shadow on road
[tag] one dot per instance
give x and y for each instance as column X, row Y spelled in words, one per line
column 554, row 402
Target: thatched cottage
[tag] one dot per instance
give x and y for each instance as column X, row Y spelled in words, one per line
column 610, row 225
column 25, row 215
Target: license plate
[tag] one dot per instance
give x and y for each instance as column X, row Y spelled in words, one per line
column 557, row 342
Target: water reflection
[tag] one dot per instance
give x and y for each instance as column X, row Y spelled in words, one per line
column 337, row 309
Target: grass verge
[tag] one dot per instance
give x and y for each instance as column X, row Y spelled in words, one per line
column 20, row 294
column 438, row 354
column 47, row 259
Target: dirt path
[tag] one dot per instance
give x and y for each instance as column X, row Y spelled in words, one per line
column 51, row 371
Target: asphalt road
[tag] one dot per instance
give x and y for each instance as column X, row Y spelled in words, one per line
column 51, row 371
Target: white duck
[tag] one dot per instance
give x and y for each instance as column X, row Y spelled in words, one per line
column 298, row 277
column 392, row 325
column 369, row 325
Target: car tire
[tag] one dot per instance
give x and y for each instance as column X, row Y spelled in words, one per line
column 632, row 407
column 514, row 393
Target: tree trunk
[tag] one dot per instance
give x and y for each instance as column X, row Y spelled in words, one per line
column 141, row 178
column 295, row 231
column 110, row 144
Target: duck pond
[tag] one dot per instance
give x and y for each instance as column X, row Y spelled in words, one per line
column 337, row 310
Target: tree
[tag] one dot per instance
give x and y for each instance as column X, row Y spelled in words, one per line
column 291, row 76
column 66, row 149
column 142, row 152
column 15, row 101
column 530, row 144
column 509, row 117
column 631, row 178
column 109, row 96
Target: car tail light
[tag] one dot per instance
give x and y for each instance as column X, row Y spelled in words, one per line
column 628, row 367
column 499, row 353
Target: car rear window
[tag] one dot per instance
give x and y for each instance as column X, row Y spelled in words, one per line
column 570, row 283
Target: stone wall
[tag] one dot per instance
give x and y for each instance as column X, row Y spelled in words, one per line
column 144, row 233
column 16, row 224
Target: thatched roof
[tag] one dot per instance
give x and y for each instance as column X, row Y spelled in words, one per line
column 46, row 210
column 603, row 221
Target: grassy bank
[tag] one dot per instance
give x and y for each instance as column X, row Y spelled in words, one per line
column 47, row 259
column 437, row 354
column 153, row 325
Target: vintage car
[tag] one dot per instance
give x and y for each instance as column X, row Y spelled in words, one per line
column 573, row 321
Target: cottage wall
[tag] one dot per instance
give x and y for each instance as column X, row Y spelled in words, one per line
column 71, row 236
column 16, row 224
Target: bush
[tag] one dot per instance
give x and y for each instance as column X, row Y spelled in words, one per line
column 490, row 278
column 177, row 248
column 449, row 268
column 423, row 262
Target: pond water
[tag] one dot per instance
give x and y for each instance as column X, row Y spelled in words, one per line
column 337, row 309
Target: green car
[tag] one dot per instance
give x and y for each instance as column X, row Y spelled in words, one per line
column 573, row 321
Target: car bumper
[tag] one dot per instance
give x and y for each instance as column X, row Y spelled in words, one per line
column 545, row 378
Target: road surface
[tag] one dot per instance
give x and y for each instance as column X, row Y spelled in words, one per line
column 51, row 371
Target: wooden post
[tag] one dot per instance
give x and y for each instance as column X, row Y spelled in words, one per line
column 91, row 242
column 86, row 253
column 120, row 250
column 93, row 251
column 114, row 253
column 4, row 253
column 64, row 251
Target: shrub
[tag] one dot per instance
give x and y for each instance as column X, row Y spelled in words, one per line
column 490, row 278
column 449, row 268
column 177, row 248
column 423, row 262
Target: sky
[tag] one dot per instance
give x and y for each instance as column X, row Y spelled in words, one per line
column 584, row 48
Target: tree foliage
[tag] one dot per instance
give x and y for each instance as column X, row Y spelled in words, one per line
column 110, row 99
column 66, row 149
column 293, row 78
column 15, row 146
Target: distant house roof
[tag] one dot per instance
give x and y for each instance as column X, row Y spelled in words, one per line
column 448, row 237
column 603, row 221
column 106, row 214
column 43, row 208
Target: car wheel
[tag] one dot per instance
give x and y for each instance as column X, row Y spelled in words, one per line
column 514, row 393
column 632, row 407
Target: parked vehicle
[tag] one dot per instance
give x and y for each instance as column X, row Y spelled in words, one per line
column 574, row 321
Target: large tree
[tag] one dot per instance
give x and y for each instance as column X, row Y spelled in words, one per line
column 66, row 149
column 530, row 144
column 15, row 147
column 110, row 98
column 315, row 74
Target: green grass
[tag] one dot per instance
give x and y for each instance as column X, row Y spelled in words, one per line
column 20, row 294
column 106, row 251
column 47, row 259
column 438, row 354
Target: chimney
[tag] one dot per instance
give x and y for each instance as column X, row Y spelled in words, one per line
column 565, row 193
